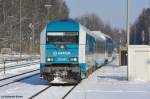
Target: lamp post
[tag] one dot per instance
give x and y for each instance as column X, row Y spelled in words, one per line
column 61, row 4
column 20, row 33
column 128, row 22
column 149, row 34
column 11, row 18
column 48, row 6
column 128, row 34
column 31, row 26
column 3, row 10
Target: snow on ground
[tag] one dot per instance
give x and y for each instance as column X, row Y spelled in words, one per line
column 28, row 87
column 16, row 71
column 9, row 64
column 9, row 56
column 23, row 89
column 26, row 59
column 13, row 63
column 54, row 92
column 110, row 82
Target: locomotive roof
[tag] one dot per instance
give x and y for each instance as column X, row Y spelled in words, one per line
column 62, row 25
column 101, row 35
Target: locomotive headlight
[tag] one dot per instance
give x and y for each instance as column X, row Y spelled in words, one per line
column 49, row 59
column 75, row 59
column 62, row 46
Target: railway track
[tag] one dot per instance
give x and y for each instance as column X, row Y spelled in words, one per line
column 68, row 92
column 18, row 75
column 46, row 88
column 17, row 79
column 38, row 93
column 18, row 66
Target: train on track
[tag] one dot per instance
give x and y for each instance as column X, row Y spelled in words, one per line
column 70, row 52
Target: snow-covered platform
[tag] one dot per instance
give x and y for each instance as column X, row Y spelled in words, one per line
column 110, row 82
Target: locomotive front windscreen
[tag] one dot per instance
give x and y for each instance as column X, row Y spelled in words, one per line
column 62, row 38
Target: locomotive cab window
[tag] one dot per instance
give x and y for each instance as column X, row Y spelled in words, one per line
column 62, row 38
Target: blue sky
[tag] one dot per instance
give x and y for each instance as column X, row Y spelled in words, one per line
column 112, row 11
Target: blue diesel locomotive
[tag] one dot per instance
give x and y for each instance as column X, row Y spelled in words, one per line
column 70, row 52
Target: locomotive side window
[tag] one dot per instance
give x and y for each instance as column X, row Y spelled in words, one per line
column 62, row 38
column 90, row 44
column 109, row 46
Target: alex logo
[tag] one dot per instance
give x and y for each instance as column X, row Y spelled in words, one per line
column 61, row 53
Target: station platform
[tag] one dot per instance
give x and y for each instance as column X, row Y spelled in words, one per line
column 110, row 82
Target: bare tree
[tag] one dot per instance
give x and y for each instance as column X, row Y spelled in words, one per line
column 94, row 22
column 32, row 11
column 140, row 33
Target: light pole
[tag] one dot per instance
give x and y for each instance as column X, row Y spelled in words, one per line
column 149, row 34
column 3, row 10
column 48, row 6
column 61, row 4
column 135, row 35
column 3, row 41
column 20, row 33
column 128, row 22
column 31, row 26
column 128, row 33
column 10, row 31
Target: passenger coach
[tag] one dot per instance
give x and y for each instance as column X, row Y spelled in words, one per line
column 70, row 52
